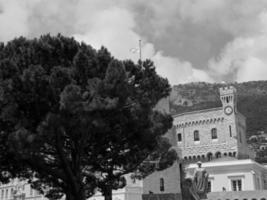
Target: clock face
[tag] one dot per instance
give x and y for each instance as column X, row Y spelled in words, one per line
column 228, row 110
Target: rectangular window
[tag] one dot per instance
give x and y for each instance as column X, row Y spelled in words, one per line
column 209, row 186
column 6, row 193
column 196, row 135
column 2, row 194
column 179, row 137
column 230, row 131
column 240, row 137
column 214, row 136
column 237, row 185
column 161, row 184
column 214, row 133
column 31, row 191
column 11, row 192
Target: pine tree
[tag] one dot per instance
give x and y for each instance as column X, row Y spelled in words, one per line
column 74, row 119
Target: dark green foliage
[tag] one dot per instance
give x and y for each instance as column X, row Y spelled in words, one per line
column 261, row 155
column 76, row 118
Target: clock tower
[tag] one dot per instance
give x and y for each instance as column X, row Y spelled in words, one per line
column 228, row 99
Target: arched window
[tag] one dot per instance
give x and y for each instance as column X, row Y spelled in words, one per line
column 214, row 133
column 218, row 155
column 209, row 156
column 196, row 135
column 179, row 137
column 161, row 184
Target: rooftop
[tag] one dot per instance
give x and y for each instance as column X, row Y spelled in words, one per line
column 198, row 111
column 228, row 162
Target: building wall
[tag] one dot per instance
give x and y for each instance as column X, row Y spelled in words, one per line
column 222, row 172
column 224, row 180
column 116, row 195
column 244, row 151
column 127, row 193
column 7, row 191
column 132, row 191
column 204, row 121
column 165, row 196
column 171, row 176
column 230, row 126
column 243, row 195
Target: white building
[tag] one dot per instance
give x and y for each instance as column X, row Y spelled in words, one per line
column 213, row 133
column 230, row 174
column 132, row 191
column 217, row 137
column 20, row 189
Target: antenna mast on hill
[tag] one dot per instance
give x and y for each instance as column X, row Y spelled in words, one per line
column 140, row 50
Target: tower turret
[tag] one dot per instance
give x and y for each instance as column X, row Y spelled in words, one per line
column 228, row 99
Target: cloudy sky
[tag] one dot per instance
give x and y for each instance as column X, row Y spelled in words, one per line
column 189, row 40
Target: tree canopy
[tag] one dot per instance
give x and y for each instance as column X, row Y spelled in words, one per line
column 74, row 119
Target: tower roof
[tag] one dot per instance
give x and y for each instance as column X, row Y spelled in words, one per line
column 227, row 90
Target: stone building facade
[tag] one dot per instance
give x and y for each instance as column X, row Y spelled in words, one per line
column 204, row 135
column 212, row 133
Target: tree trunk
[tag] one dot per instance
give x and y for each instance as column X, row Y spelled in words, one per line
column 69, row 196
column 108, row 194
column 75, row 196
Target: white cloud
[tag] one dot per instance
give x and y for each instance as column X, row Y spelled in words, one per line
column 119, row 37
column 190, row 28
column 113, row 29
column 252, row 69
column 13, row 19
column 177, row 71
column 243, row 57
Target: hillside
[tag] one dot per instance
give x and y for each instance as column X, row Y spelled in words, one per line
column 252, row 101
